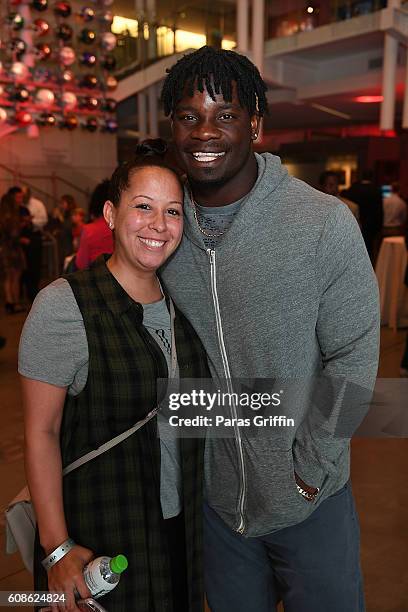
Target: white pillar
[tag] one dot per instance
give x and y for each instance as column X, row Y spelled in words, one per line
column 27, row 35
column 139, row 9
column 389, row 82
column 405, row 109
column 258, row 40
column 153, row 118
column 142, row 115
column 151, row 18
column 242, row 25
column 258, row 35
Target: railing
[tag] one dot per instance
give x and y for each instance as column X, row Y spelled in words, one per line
column 50, row 198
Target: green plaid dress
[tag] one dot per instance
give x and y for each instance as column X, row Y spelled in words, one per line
column 112, row 504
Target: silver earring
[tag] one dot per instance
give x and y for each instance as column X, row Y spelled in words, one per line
column 110, row 225
column 255, row 136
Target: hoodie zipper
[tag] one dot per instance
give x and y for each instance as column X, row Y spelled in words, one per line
column 242, row 493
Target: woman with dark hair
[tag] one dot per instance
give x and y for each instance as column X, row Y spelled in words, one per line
column 102, row 338
column 12, row 259
column 96, row 237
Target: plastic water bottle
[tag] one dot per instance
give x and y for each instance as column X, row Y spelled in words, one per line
column 103, row 574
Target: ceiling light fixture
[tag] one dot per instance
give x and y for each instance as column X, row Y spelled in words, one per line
column 310, row 9
column 368, row 99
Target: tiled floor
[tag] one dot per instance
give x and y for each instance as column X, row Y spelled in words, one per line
column 379, row 474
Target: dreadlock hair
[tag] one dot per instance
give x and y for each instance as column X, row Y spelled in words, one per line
column 149, row 153
column 215, row 69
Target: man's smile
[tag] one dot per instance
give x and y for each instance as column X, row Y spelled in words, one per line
column 207, row 156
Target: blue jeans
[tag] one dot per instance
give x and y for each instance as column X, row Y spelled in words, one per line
column 312, row 567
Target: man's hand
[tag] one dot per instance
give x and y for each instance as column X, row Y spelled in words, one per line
column 305, row 487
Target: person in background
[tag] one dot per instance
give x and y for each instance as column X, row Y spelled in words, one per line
column 11, row 253
column 61, row 225
column 17, row 194
column 404, row 360
column 30, row 241
column 38, row 212
column 395, row 213
column 78, row 222
column 92, row 350
column 369, row 199
column 96, row 238
column 329, row 183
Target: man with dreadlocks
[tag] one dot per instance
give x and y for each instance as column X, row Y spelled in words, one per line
column 275, row 279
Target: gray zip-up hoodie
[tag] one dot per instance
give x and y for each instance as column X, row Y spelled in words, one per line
column 288, row 294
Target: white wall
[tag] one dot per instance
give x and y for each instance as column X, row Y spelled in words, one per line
column 79, row 157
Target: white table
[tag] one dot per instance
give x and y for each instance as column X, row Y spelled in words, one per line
column 390, row 271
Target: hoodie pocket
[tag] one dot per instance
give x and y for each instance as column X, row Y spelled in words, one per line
column 272, row 499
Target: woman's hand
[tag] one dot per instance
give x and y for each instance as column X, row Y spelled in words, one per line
column 66, row 577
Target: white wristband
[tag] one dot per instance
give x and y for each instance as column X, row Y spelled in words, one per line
column 58, row 554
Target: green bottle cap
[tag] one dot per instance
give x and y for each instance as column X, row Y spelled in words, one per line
column 118, row 564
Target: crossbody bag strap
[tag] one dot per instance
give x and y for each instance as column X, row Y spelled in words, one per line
column 118, row 439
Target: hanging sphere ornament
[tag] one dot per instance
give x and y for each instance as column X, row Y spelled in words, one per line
column 21, row 94
column 15, row 21
column 88, row 59
column 41, row 74
column 67, row 56
column 42, row 51
column 111, row 126
column 90, row 81
column 23, row 117
column 90, row 103
column 67, row 76
column 47, row 120
column 70, row 122
column 109, row 105
column 40, row 5
column 44, row 98
column 40, row 27
column 87, row 14
column 62, row 9
column 64, row 32
column 69, row 100
column 111, row 82
column 87, row 36
column 19, row 71
column 91, row 124
column 3, row 116
column 108, row 41
column 109, row 62
column 16, row 47
column 107, row 18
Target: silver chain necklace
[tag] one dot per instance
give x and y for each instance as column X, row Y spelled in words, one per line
column 203, row 231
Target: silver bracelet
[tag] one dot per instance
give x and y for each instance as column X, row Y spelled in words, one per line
column 58, row 554
column 306, row 494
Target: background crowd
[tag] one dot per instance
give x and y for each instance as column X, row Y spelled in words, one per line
column 25, row 224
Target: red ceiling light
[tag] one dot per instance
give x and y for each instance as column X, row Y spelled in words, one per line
column 368, row 99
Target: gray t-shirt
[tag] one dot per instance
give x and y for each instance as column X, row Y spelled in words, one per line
column 216, row 220
column 54, row 349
